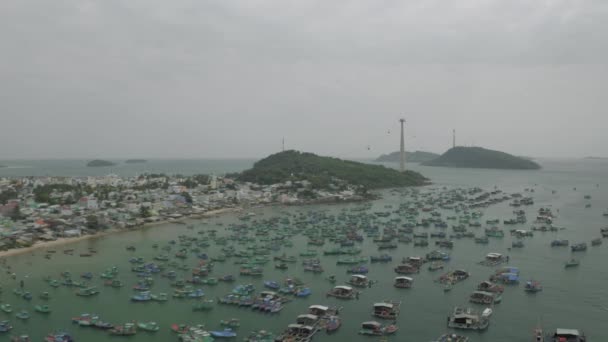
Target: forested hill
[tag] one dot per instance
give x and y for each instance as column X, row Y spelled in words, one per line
column 478, row 157
column 323, row 171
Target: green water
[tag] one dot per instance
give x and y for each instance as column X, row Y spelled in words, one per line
column 572, row 298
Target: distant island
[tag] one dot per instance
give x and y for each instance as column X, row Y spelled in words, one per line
column 99, row 162
column 478, row 157
column 1, row 166
column 414, row 157
column 135, row 161
column 592, row 157
column 323, row 172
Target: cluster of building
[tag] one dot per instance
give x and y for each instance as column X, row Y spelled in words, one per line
column 47, row 208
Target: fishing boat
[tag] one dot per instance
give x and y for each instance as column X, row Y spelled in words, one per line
column 567, row 335
column 127, row 329
column 6, row 307
column 489, row 286
column 161, row 297
column 468, row 319
column 538, row 335
column 343, row 292
column 403, row 282
column 436, row 265
column 226, row 333
column 572, row 263
column 486, row 298
column 373, row 328
column 559, row 243
column 579, row 247
column 115, row 283
column 21, row 338
column 271, row 284
column 358, row 280
column 148, row 326
column 386, row 309
column 42, row 308
column 297, row 332
column 381, row 258
column 180, row 328
column 260, row 336
column 281, row 266
column 406, row 268
column 45, row 295
column 303, row 292
column 453, row 277
column 358, row 270
column 5, row 326
column 59, row 337
column 596, row 242
column 23, row 314
column 141, row 297
column 533, row 286
column 452, row 338
column 87, row 292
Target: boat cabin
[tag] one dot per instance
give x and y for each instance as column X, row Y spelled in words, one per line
column 489, row 286
column 567, row 335
column 403, row 282
column 307, row 319
column 467, row 319
column 372, row 326
column 494, row 257
column 300, row 331
column 386, row 310
column 343, row 292
column 318, row 310
column 484, row 297
column 358, row 280
column 406, row 268
column 415, row 260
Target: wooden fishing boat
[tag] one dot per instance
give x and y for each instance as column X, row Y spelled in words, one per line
column 148, row 326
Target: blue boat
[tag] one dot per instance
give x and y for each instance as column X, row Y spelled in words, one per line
column 305, row 292
column 142, row 297
column 358, row 270
column 198, row 293
column 5, row 326
column 59, row 337
column 271, row 284
column 223, row 333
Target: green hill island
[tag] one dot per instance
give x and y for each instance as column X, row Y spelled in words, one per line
column 478, row 157
column 413, row 157
column 99, row 162
column 322, row 172
column 135, row 161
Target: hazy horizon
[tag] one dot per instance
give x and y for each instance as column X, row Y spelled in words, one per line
column 227, row 79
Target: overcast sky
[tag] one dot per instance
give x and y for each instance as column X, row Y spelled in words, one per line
column 224, row 78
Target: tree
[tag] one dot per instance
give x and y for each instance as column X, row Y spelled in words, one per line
column 92, row 222
column 144, row 211
column 187, row 196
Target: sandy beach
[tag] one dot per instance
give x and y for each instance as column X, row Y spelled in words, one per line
column 66, row 241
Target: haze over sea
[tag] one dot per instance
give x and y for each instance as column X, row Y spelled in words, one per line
column 572, row 298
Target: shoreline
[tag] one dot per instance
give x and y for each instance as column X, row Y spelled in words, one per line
column 67, row 241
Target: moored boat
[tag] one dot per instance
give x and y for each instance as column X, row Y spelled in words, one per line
column 403, row 282
column 468, row 319
column 373, row 328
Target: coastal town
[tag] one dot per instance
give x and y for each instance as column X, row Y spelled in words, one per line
column 35, row 210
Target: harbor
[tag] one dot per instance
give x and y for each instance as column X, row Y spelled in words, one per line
column 202, row 244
